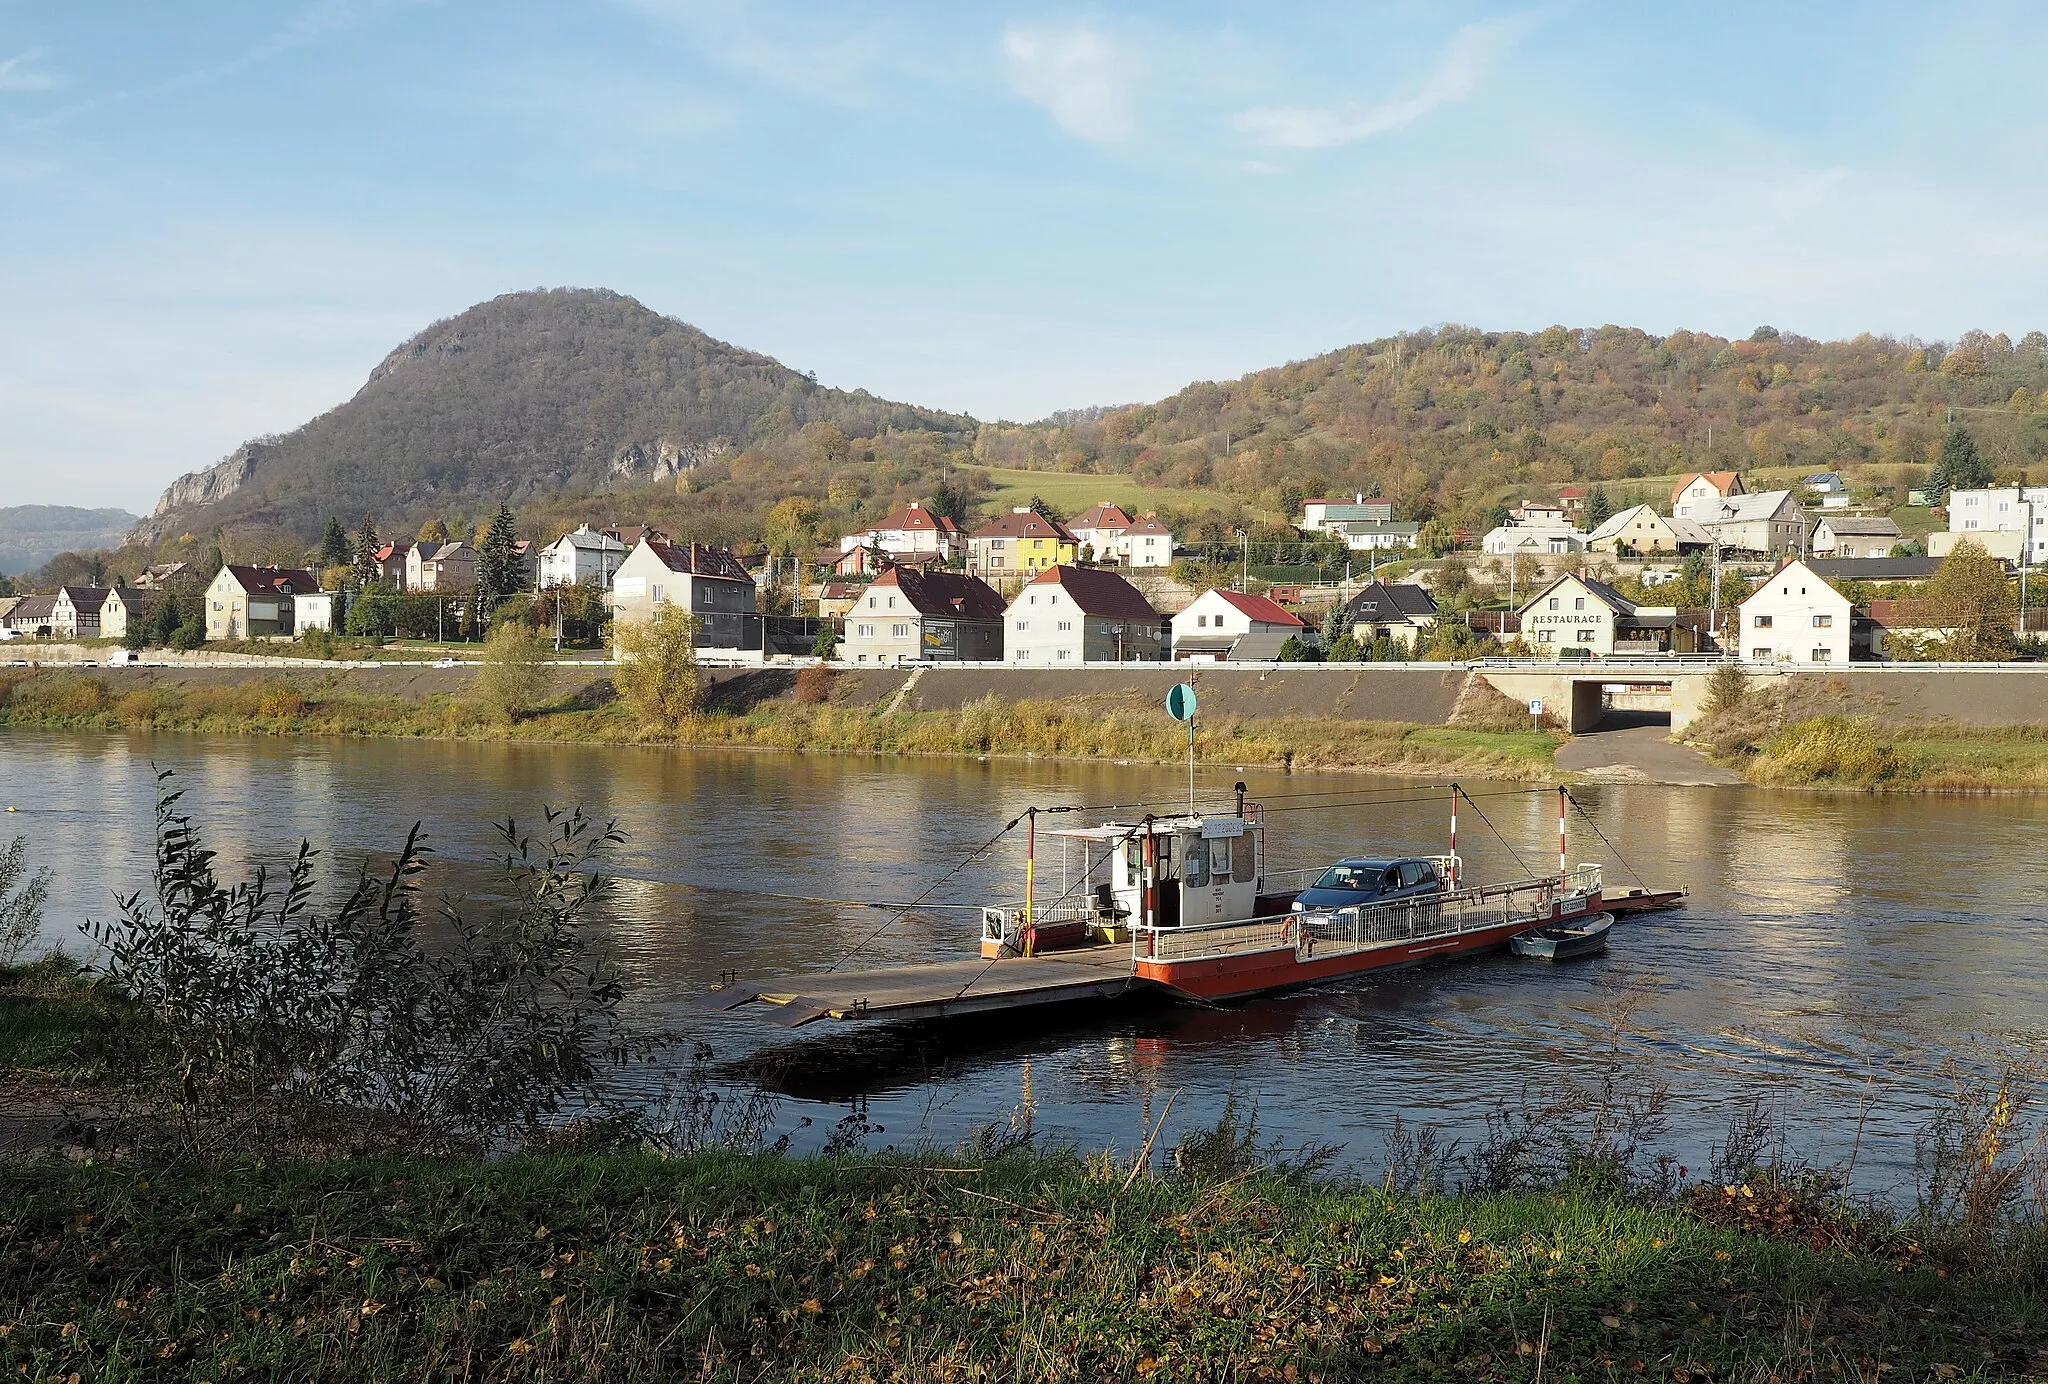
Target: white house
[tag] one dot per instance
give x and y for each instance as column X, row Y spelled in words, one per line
column 1850, row 535
column 1362, row 535
column 1400, row 611
column 1575, row 612
column 1767, row 523
column 1215, row 620
column 710, row 583
column 910, row 532
column 312, row 610
column 1704, row 489
column 1513, row 540
column 1072, row 615
column 1328, row 514
column 254, row 602
column 124, row 606
column 2017, row 515
column 577, row 557
column 1795, row 617
column 1640, row 530
column 1097, row 529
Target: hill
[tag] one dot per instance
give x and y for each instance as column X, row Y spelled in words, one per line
column 31, row 535
column 528, row 396
column 1453, row 419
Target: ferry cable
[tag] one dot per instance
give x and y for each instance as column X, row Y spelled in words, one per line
column 930, row 890
column 1603, row 839
column 1523, row 864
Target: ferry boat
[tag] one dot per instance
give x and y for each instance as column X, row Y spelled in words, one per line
column 1204, row 919
column 1186, row 905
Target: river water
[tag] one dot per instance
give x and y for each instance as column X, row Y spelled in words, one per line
column 1836, row 949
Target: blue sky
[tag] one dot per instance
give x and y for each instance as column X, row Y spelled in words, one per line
column 216, row 217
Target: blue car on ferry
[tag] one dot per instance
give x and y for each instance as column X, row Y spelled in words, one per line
column 1356, row 880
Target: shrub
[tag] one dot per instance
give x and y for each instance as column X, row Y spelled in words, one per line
column 1726, row 687
column 276, row 1023
column 22, row 896
column 279, row 700
column 814, row 685
column 515, row 673
column 1828, row 749
column 189, row 635
column 826, row 644
column 657, row 673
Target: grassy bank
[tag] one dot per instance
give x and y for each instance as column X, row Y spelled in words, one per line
column 295, row 704
column 630, row 1267
column 1866, row 753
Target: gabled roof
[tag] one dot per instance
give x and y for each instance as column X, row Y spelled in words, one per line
column 1722, row 481
column 132, row 597
column 952, row 595
column 33, row 608
column 1614, row 600
column 1150, row 523
column 451, row 551
column 915, row 518
column 1395, row 598
column 1103, row 515
column 272, row 581
column 1097, row 592
column 1617, row 522
column 1874, row 568
column 1023, row 524
column 85, row 599
column 698, row 560
column 586, row 537
column 387, row 551
column 1741, row 509
column 1258, row 608
column 1862, row 525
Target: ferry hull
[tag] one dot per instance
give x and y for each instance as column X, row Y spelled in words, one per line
column 1267, row 972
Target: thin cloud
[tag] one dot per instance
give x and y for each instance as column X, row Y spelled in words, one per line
column 1466, row 62
column 20, row 73
column 788, row 50
column 1079, row 74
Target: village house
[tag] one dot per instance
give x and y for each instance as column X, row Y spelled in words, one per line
column 1826, row 483
column 1794, row 617
column 1220, row 625
column 254, row 602
column 312, row 610
column 836, row 599
column 910, row 533
column 710, row 583
column 1400, row 611
column 2010, row 522
column 1848, row 535
column 443, row 568
column 1765, row 525
column 76, row 612
column 1704, row 489
column 388, row 564
column 1572, row 500
column 1021, row 542
column 1071, row 615
column 123, row 607
column 1371, row 535
column 1097, row 529
column 1145, row 542
column 1513, row 540
column 925, row 615
column 1318, row 516
column 580, row 556
column 1880, row 569
column 1579, row 614
column 158, row 575
column 1539, row 514
column 31, row 616
column 1640, row 530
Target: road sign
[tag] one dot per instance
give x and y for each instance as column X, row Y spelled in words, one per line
column 1180, row 702
column 1535, row 706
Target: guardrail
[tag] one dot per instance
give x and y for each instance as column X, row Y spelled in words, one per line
column 1342, row 931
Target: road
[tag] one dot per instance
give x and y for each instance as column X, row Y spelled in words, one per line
column 1637, row 749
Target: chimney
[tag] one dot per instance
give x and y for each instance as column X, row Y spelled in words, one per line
column 916, row 505
column 1358, row 497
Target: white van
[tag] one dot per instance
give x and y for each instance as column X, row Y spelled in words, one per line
column 123, row 658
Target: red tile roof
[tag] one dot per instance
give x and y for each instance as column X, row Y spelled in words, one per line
column 943, row 593
column 1261, row 609
column 1029, row 524
column 1720, row 480
column 699, row 560
column 1100, row 516
column 914, row 517
column 1098, row 592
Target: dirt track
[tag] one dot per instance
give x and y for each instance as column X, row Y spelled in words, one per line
column 1415, row 697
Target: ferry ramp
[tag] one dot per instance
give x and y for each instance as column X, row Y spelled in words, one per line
column 941, row 989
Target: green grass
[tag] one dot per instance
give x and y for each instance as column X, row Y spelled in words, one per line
column 1070, row 494
column 1916, row 521
column 631, row 1267
column 1535, row 747
column 53, row 1024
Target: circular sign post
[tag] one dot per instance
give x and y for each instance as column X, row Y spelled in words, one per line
column 1180, row 705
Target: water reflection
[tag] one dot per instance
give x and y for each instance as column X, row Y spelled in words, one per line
column 1836, row 946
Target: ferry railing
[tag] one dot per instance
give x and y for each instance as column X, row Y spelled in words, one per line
column 1312, row 934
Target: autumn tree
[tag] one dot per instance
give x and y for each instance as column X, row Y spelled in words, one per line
column 514, row 676
column 433, row 531
column 1974, row 597
column 794, row 527
column 657, row 673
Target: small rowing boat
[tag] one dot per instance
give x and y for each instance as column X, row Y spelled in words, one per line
column 1564, row 941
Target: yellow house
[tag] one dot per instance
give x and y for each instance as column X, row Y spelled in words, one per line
column 1022, row 541
column 1640, row 530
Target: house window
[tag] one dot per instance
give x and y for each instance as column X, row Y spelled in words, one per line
column 1546, row 636
column 1066, row 624
column 1023, row 624
column 1553, row 603
column 1578, row 603
column 1820, row 655
column 864, row 631
column 899, row 631
column 1585, row 636
column 1065, row 653
column 1201, row 622
column 654, row 594
column 871, row 603
column 1760, row 654
column 1762, row 622
column 1822, row 622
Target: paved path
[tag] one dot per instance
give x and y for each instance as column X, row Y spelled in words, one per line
column 1640, row 754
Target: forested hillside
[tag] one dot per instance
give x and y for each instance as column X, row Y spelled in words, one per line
column 1450, row 419
column 531, row 395
column 31, row 535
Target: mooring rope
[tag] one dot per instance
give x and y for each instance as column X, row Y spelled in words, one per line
column 1604, row 841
